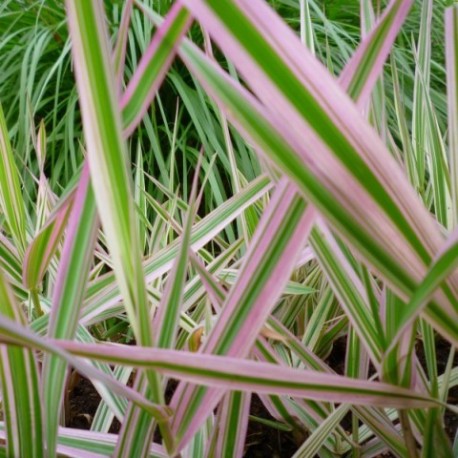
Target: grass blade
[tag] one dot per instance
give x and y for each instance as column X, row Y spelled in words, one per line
column 44, row 245
column 312, row 445
column 230, row 433
column 110, row 175
column 416, row 254
column 224, row 371
column 107, row 156
column 68, row 298
column 11, row 200
column 153, row 67
column 360, row 73
column 451, row 42
column 268, row 266
column 119, row 54
column 20, row 385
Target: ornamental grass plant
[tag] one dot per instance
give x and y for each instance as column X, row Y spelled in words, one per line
column 225, row 215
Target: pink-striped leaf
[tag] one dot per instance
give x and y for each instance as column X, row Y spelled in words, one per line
column 269, row 261
column 119, row 54
column 14, row 334
column 43, row 247
column 153, row 67
column 386, row 204
column 20, row 387
column 68, row 297
column 235, row 373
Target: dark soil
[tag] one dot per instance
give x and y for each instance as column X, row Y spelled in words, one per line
column 83, row 403
column 262, row 441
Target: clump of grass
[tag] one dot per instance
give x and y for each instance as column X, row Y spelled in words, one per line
column 205, row 200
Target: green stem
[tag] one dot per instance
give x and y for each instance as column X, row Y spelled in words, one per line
column 408, row 435
column 36, row 302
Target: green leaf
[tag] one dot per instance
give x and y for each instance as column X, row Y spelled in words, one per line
column 11, row 200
